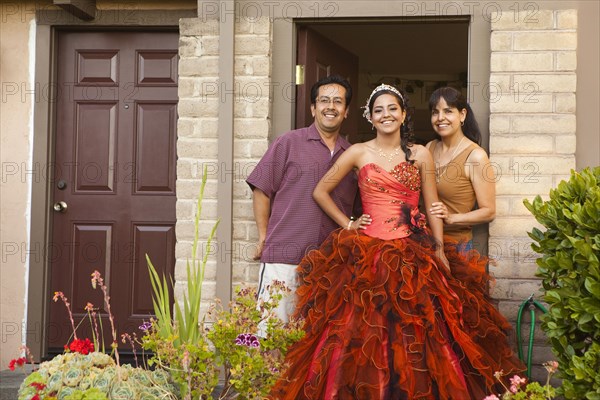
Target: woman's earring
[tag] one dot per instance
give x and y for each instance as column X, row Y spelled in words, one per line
column 462, row 123
column 372, row 127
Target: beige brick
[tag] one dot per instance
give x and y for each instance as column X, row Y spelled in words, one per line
column 252, row 44
column 565, row 103
column 185, row 127
column 521, row 103
column 550, row 123
column 522, row 20
column 184, row 209
column 499, row 124
column 535, row 83
column 258, row 148
column 522, row 144
column 243, row 209
column 253, row 20
column 566, row 61
column 240, row 231
column 185, row 229
column 500, row 83
column 261, row 65
column 189, row 46
column 210, row 271
column 512, row 227
column 245, row 168
column 262, row 25
column 501, row 41
column 501, row 162
column 518, row 208
column 184, row 169
column 198, row 26
column 566, row 19
column 516, row 289
column 258, row 109
column 196, row 148
column 502, row 206
column 544, row 165
column 243, row 65
column 183, row 249
column 521, row 62
column 210, row 46
column 566, row 144
column 206, row 127
column 523, row 179
column 200, row 107
column 205, row 66
column 545, row 40
column 509, row 253
column 190, row 188
column 251, row 128
column 186, row 87
column 241, row 190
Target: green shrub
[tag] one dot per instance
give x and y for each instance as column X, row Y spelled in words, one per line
column 570, row 272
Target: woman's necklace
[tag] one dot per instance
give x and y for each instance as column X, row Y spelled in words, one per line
column 390, row 156
column 445, row 166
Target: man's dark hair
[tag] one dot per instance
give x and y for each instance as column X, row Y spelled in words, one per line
column 314, row 91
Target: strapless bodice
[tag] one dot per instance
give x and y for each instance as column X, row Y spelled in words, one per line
column 391, row 198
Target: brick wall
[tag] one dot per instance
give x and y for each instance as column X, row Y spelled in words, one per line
column 199, row 97
column 532, row 140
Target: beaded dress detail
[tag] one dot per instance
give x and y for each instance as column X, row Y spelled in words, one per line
column 384, row 319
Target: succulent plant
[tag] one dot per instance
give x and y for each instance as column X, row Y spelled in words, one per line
column 74, row 376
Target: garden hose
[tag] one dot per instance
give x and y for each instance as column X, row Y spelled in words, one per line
column 533, row 304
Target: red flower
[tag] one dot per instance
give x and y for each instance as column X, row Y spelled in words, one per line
column 36, row 397
column 82, row 346
column 16, row 361
column 37, row 385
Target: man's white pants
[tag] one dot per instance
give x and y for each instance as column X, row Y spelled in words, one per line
column 285, row 273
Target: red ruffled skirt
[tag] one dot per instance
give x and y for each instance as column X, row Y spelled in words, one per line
column 385, row 320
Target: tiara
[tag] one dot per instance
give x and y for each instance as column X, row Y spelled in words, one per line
column 383, row 86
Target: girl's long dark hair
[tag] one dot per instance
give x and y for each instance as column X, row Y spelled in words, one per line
column 407, row 137
column 454, row 98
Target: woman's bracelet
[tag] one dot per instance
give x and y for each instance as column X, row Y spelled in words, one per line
column 350, row 223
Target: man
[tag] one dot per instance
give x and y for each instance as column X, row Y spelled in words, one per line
column 289, row 221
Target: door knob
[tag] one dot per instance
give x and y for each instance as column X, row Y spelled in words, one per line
column 60, row 206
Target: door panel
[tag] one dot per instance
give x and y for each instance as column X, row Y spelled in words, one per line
column 115, row 155
column 321, row 57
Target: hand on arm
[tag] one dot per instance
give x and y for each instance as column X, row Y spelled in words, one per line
column 484, row 184
column 262, row 210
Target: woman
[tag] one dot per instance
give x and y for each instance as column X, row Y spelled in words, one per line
column 464, row 173
column 383, row 315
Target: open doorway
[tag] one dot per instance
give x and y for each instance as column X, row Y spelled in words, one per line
column 417, row 54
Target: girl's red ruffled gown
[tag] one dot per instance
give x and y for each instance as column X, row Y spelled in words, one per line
column 384, row 319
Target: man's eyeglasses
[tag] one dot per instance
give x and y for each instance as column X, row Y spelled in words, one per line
column 337, row 101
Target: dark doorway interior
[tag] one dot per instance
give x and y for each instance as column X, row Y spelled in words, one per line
column 417, row 55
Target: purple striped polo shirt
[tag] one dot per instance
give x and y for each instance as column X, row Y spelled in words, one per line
column 288, row 174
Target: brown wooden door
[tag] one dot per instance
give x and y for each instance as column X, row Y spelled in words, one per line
column 321, row 57
column 114, row 168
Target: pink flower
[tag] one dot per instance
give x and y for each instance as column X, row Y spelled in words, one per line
column 96, row 279
column 491, row 397
column 515, row 382
column 551, row 366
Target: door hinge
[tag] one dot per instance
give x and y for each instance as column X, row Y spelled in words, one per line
column 299, row 74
